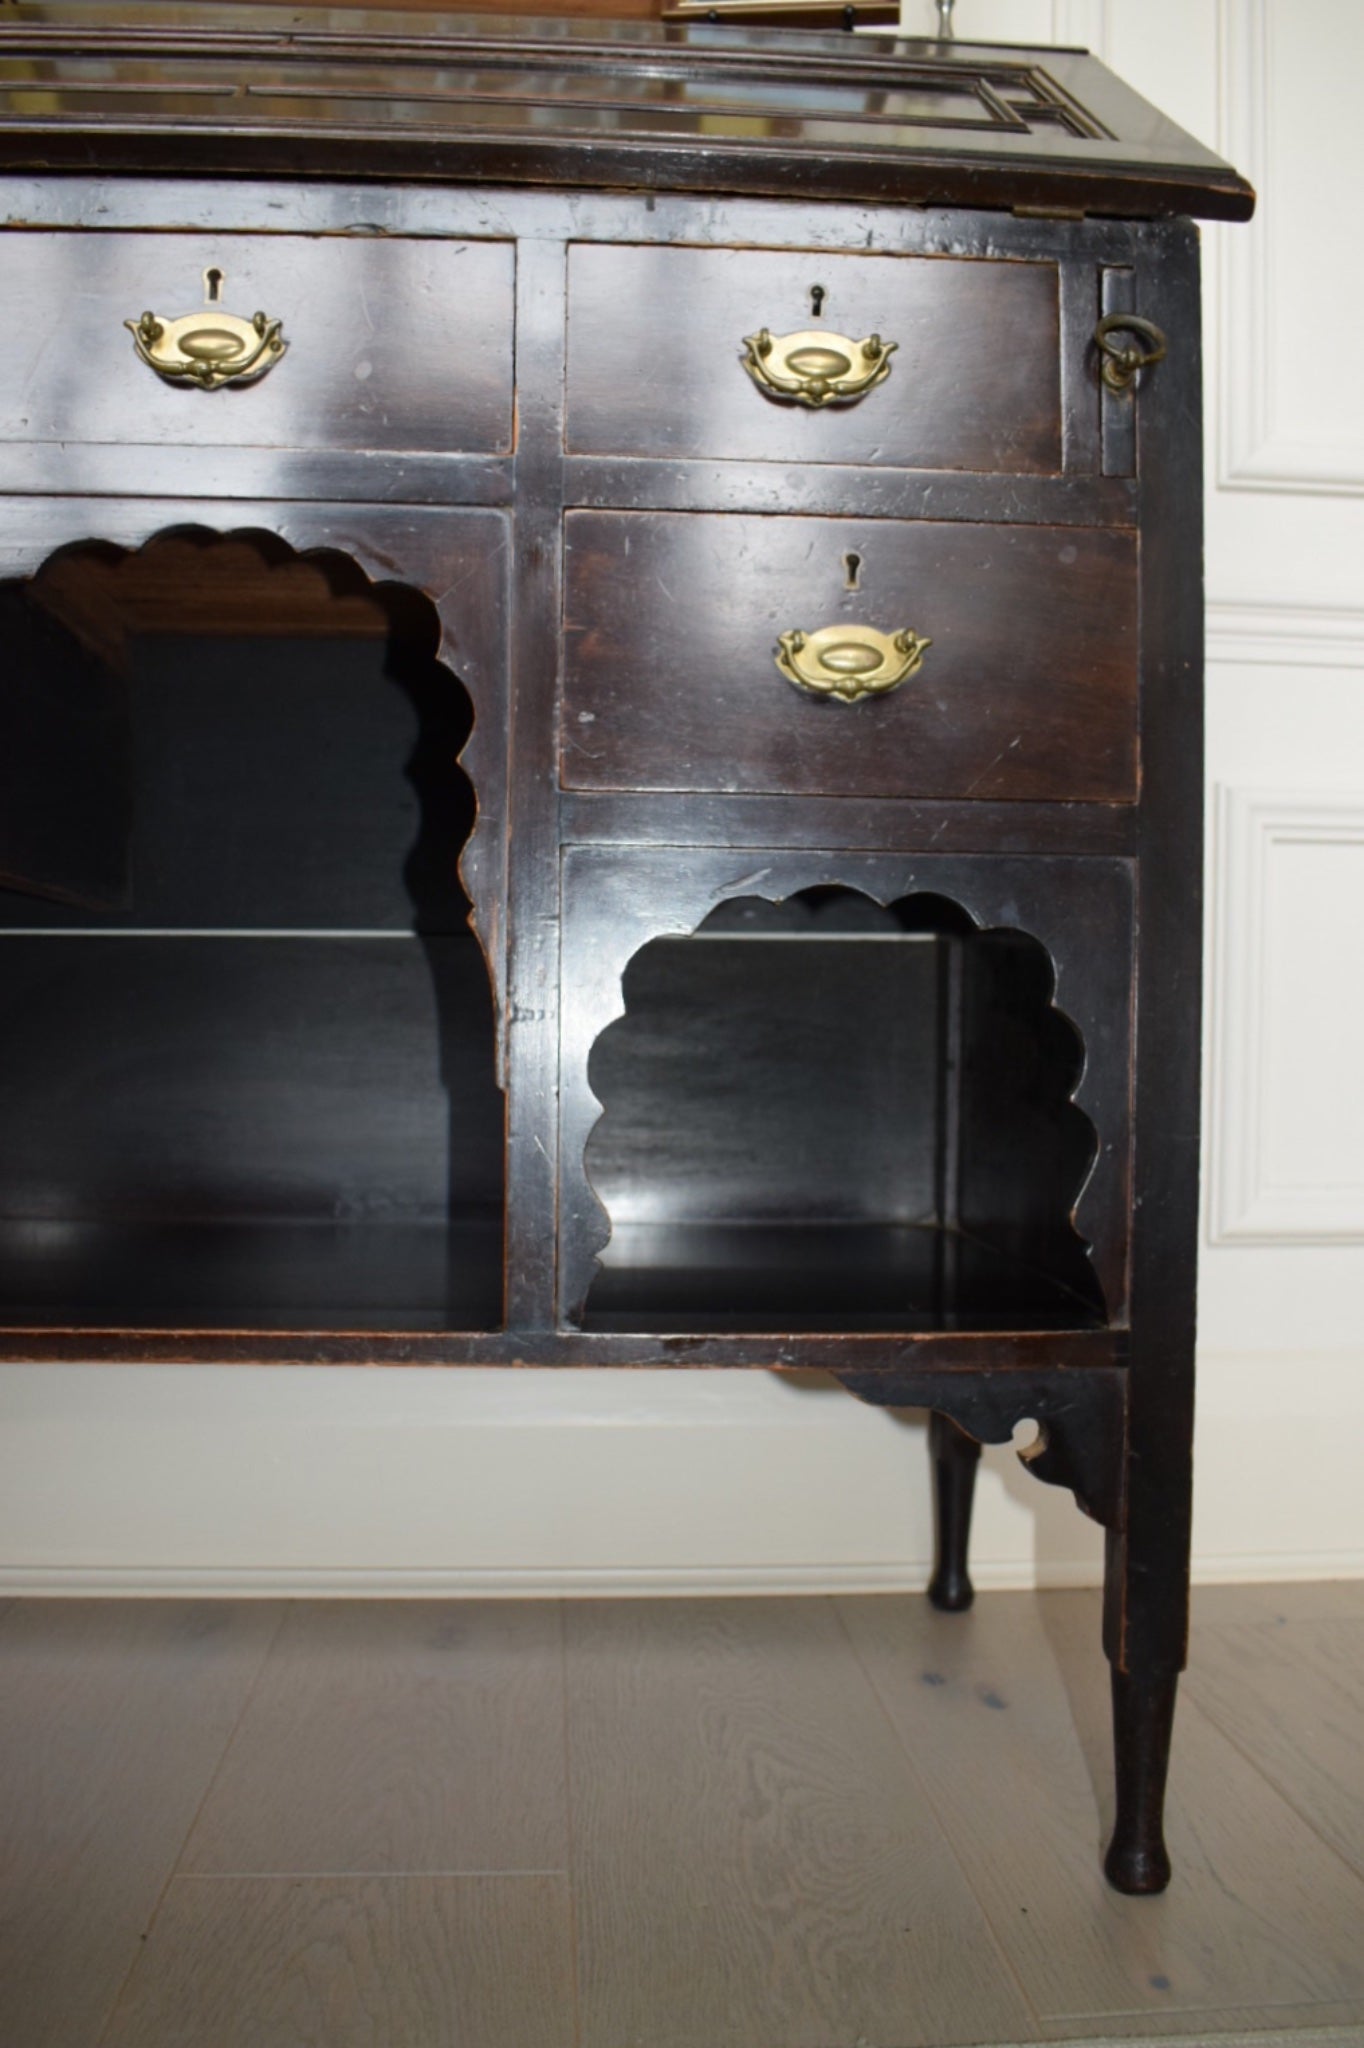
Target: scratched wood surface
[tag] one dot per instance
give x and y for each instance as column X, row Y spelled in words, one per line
column 756, row 1823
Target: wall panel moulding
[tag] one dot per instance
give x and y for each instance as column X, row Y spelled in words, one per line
column 1281, row 429
column 1287, row 1120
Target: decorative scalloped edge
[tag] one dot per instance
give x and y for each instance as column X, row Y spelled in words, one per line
column 746, row 891
column 340, row 567
column 1081, row 1416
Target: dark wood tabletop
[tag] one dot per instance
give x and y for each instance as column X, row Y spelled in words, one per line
column 315, row 91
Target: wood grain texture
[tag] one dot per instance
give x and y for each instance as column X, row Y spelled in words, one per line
column 179, row 586
column 372, row 359
column 1008, row 1724
column 810, row 117
column 1313, row 2025
column 753, row 1861
column 1292, row 1697
column 884, row 824
column 954, row 399
column 113, row 1716
column 672, row 484
column 643, row 10
column 409, row 1962
column 1282, row 1602
column 751, row 1845
column 1146, row 1572
column 532, row 1012
column 1286, row 2032
column 1029, row 689
column 413, row 1736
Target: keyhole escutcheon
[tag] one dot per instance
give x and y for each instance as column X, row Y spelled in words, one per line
column 817, row 298
column 852, row 566
column 213, row 286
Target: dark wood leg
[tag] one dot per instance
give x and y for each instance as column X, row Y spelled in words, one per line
column 1146, row 1612
column 1143, row 1715
column 955, row 1458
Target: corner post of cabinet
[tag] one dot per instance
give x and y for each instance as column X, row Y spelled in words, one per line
column 1146, row 1607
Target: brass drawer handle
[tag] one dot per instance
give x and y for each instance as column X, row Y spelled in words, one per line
column 1122, row 363
column 816, row 368
column 850, row 662
column 208, row 348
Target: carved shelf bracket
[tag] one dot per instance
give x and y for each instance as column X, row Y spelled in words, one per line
column 1081, row 1430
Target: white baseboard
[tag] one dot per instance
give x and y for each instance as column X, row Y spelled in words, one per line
column 170, row 1582
column 327, row 1483
column 614, row 1582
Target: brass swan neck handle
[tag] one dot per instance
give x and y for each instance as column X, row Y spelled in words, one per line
column 816, row 368
column 210, row 348
column 849, row 663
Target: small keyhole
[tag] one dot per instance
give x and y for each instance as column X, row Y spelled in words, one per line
column 853, row 565
column 213, row 286
column 817, row 298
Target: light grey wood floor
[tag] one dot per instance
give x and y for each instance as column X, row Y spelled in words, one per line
column 666, row 1824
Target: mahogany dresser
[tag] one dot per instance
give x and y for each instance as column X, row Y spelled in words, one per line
column 600, row 727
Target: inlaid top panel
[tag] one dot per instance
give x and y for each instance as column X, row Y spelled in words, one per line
column 677, row 106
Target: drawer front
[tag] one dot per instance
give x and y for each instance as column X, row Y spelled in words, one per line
column 1028, row 690
column 656, row 345
column 390, row 344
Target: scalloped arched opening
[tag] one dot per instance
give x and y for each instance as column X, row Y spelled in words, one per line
column 246, row 1033
column 828, row 1114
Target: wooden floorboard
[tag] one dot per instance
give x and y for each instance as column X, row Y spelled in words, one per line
column 113, row 1718
column 417, row 1736
column 1340, row 2022
column 753, row 1862
column 1006, row 1714
column 358, row 1962
column 1284, row 1601
column 1258, row 2031
column 667, row 1824
column 1291, row 1697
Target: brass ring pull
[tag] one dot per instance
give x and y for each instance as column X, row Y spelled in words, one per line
column 1121, row 364
column 850, row 662
column 208, row 348
column 816, row 368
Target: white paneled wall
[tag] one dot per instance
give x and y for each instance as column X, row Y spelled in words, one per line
column 322, row 1480
column 1282, row 1275
column 1287, row 1166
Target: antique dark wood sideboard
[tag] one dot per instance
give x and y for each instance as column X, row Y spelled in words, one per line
column 600, row 728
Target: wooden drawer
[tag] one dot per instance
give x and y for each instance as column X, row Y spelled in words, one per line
column 1029, row 689
column 656, row 341
column 392, row 344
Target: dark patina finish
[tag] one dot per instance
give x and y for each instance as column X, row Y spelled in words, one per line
column 801, row 966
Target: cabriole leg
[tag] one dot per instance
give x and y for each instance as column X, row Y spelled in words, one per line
column 1143, row 1715
column 955, row 1458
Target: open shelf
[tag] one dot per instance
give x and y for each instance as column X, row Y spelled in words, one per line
column 835, row 1276
column 254, row 1087
column 825, row 1115
column 263, row 1275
